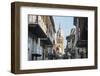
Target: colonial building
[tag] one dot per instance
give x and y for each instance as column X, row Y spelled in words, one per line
column 41, row 34
column 81, row 24
column 77, row 41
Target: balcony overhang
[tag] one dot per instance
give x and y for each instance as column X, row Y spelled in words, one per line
column 36, row 30
column 82, row 43
column 46, row 41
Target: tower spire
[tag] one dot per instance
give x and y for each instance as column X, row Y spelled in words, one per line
column 59, row 31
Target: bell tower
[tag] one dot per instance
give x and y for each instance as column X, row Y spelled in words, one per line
column 60, row 40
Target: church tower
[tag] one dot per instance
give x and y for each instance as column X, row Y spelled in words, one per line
column 60, row 40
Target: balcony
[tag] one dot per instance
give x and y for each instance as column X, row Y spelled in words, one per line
column 38, row 28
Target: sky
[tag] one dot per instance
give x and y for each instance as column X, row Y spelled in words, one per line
column 66, row 24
